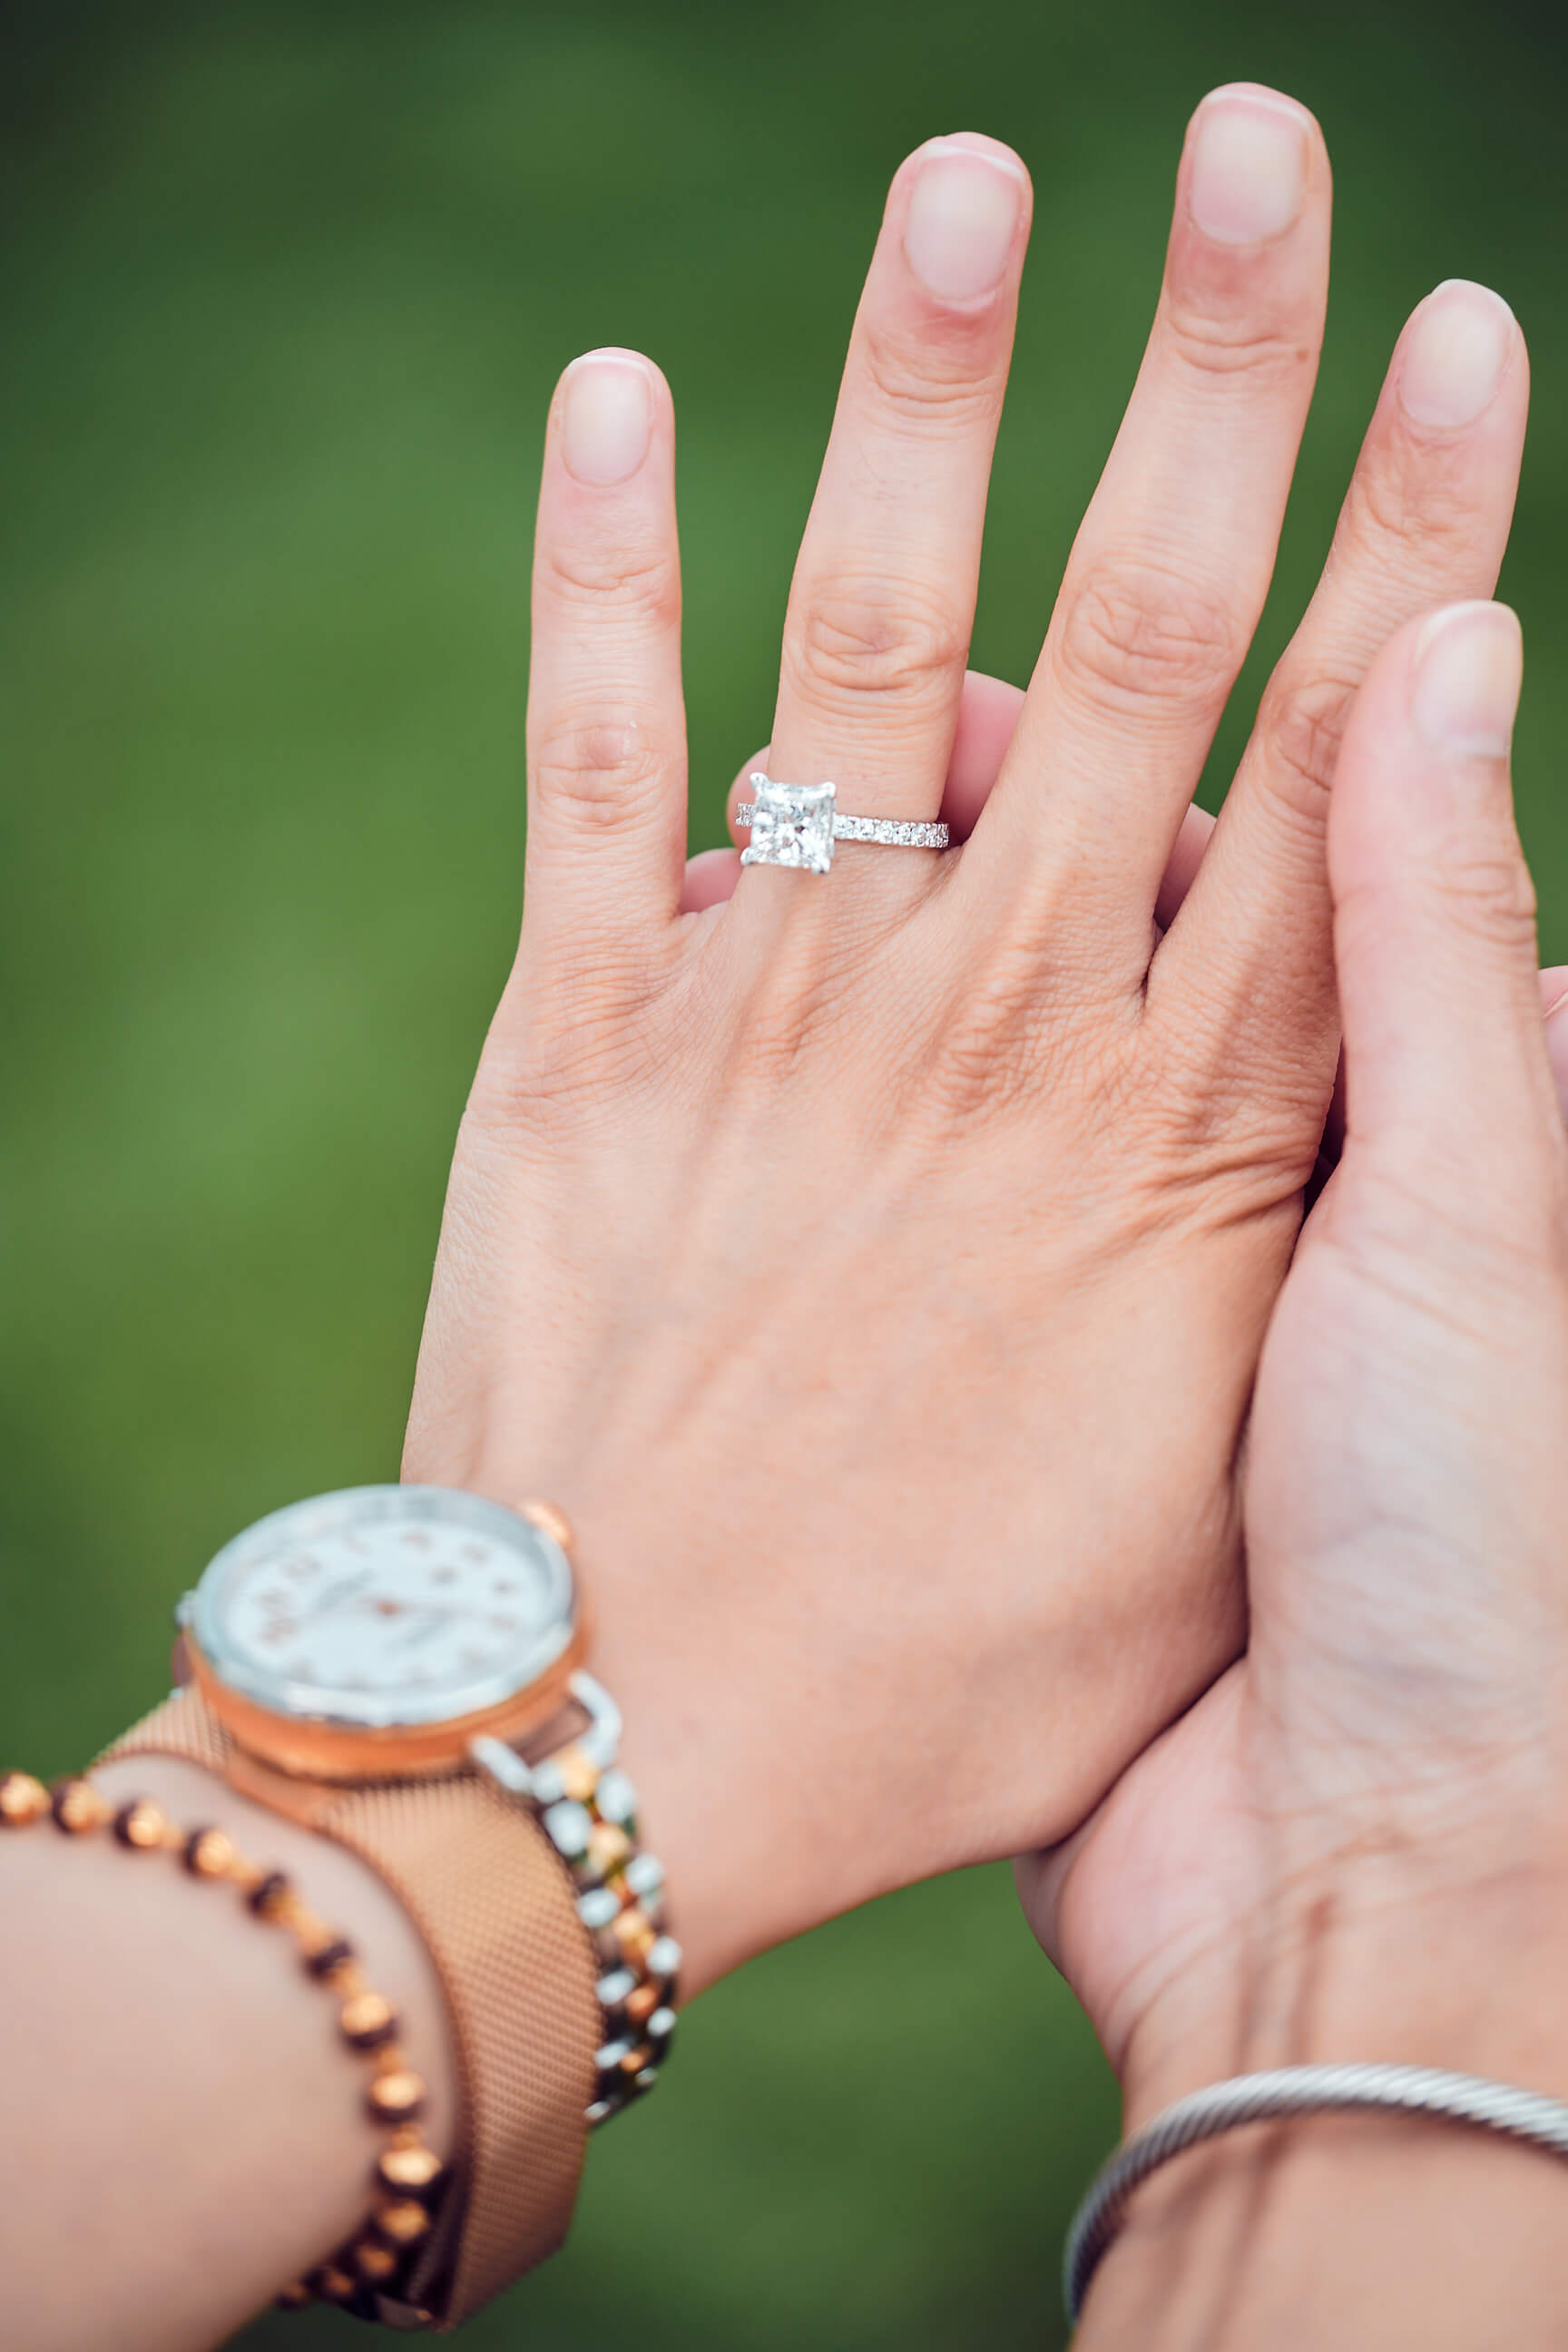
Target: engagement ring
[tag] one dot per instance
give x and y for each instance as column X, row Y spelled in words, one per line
column 797, row 824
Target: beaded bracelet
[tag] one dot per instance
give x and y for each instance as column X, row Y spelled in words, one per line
column 408, row 2176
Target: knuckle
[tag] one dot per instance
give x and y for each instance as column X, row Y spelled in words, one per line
column 778, row 1050
column 574, row 1060
column 1412, row 499
column 570, row 1048
column 1301, row 726
column 982, row 1063
column 1234, row 1138
column 1220, row 341
column 598, row 766
column 641, row 582
column 874, row 637
column 1013, row 1016
column 1132, row 631
column 1486, row 892
column 788, row 1012
column 935, row 380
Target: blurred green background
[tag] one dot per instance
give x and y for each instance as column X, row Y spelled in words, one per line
column 283, row 290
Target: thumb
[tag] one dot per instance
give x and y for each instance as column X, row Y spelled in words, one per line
column 1434, row 918
column 1554, row 998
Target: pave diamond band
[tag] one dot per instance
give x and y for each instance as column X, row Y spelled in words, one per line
column 797, row 824
column 892, row 833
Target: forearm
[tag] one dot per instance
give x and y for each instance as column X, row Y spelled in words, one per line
column 186, row 2130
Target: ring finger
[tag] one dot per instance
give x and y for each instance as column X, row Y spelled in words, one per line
column 881, row 609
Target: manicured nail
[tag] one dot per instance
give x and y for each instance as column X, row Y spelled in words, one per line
column 607, row 419
column 1469, row 665
column 1249, row 171
column 961, row 220
column 1455, row 353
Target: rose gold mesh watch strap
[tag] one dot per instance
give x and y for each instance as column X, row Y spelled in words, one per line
column 496, row 1906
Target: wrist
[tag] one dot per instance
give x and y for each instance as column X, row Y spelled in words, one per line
column 238, row 2149
column 342, row 1888
column 1381, row 1961
column 1369, row 2229
column 1372, row 2228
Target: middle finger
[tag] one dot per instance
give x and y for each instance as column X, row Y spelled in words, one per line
column 1170, row 570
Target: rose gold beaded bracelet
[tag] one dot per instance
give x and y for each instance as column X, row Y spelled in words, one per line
column 408, row 2176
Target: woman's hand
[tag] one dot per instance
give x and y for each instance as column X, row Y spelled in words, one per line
column 874, row 1268
column 1356, row 1847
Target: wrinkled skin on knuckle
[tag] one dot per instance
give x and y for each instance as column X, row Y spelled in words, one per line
column 1413, row 503
column 1221, row 338
column 980, row 1059
column 599, row 768
column 1018, row 1040
column 1300, row 728
column 1132, row 632
column 1483, row 889
column 970, row 1079
column 636, row 584
column 853, row 1027
column 776, row 1042
column 889, row 640
column 1229, row 1144
column 938, row 378
column 769, row 1019
column 577, row 1041
column 577, row 1063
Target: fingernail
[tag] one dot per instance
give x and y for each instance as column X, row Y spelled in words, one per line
column 1469, row 665
column 1249, row 174
column 607, row 419
column 1454, row 354
column 961, row 220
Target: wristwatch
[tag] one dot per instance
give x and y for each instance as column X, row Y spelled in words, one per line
column 400, row 1668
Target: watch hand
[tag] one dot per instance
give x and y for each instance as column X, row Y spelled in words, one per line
column 347, row 1588
column 429, row 1621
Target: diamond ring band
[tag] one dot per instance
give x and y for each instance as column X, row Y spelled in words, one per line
column 797, row 824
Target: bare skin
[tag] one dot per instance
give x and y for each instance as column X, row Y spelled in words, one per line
column 874, row 1268
column 1356, row 1847
column 1318, row 1916
column 186, row 2131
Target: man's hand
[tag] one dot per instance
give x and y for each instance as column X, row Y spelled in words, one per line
column 1355, row 1848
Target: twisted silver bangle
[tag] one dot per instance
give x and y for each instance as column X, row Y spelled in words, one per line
column 1295, row 2091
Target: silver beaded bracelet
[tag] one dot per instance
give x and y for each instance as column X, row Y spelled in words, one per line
column 1294, row 2091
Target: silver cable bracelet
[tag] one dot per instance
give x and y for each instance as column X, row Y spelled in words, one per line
column 1294, row 2091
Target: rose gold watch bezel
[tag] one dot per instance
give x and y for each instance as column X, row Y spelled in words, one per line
column 312, row 1747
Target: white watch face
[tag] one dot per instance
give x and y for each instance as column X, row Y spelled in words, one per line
column 384, row 1605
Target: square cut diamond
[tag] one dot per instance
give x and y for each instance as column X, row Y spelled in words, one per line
column 792, row 824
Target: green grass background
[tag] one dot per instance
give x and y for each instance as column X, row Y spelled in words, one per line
column 283, row 290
